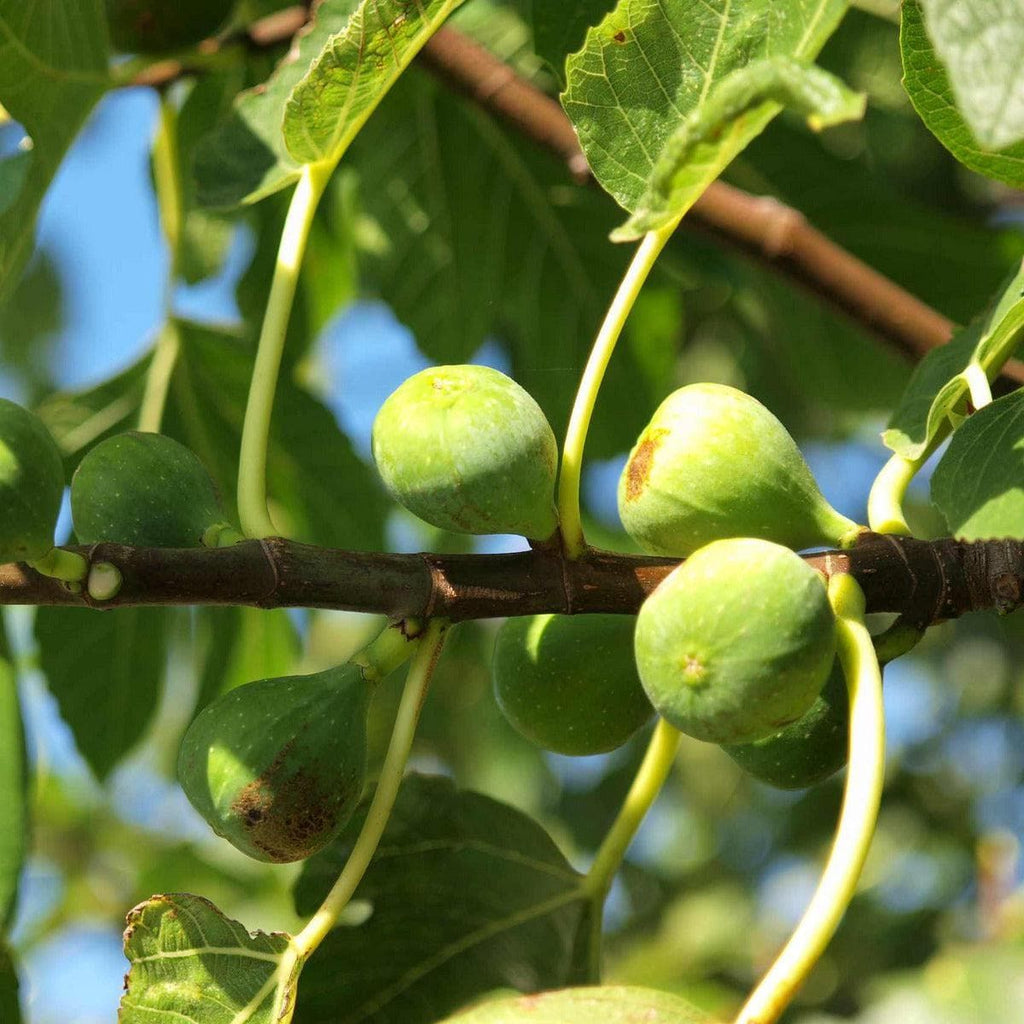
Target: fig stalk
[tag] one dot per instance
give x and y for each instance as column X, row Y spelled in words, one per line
column 643, row 262
column 857, row 817
column 416, row 685
column 252, row 466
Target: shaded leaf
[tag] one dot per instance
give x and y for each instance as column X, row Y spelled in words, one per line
column 609, row 1004
column 468, row 895
column 353, row 73
column 320, row 490
column 13, row 796
column 558, row 29
column 53, row 69
column 106, row 669
column 10, row 1011
column 191, row 963
column 938, row 390
column 244, row 644
column 979, row 483
column 652, row 64
column 927, row 84
column 980, row 42
column 245, row 157
column 470, row 235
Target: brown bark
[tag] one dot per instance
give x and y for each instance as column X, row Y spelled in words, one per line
column 925, row 581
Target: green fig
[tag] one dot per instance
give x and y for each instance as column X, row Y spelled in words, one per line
column 147, row 490
column 31, row 485
column 568, row 683
column 466, row 449
column 277, row 766
column 737, row 642
column 810, row 750
column 157, row 26
column 713, row 463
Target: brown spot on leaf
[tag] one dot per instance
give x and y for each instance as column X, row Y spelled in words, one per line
column 620, row 36
column 639, row 467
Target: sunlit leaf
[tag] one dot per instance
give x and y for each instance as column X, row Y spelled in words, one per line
column 53, row 69
column 927, row 84
column 980, row 42
column 245, row 157
column 651, row 67
column 558, row 29
column 190, row 963
column 937, row 390
column 354, row 71
column 468, row 895
column 979, row 483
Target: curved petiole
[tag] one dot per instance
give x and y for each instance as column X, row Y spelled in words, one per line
column 861, row 799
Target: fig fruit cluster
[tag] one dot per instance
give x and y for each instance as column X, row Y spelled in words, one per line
column 737, row 645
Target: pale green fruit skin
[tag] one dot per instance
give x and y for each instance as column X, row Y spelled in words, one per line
column 277, row 766
column 466, row 449
column 737, row 642
column 810, row 750
column 31, row 485
column 143, row 489
column 714, row 463
column 568, row 683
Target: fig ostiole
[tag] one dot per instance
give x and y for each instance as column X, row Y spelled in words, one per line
column 277, row 766
column 713, row 463
column 31, row 485
column 736, row 642
column 467, row 449
column 810, row 750
column 146, row 490
column 568, row 683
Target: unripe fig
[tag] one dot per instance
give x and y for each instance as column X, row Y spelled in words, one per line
column 714, row 463
column 277, row 766
column 737, row 642
column 31, row 485
column 467, row 449
column 568, row 682
column 810, row 750
column 147, row 490
column 156, row 26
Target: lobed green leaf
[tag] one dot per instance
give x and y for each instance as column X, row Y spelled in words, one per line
column 190, row 963
column 53, row 70
column 558, row 29
column 928, row 85
column 467, row 895
column 651, row 67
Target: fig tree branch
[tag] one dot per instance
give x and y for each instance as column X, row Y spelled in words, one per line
column 924, row 581
column 762, row 227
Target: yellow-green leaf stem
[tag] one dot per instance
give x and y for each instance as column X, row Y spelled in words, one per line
column 416, row 684
column 978, row 386
column 857, row 818
column 167, row 181
column 593, row 374
column 252, row 469
column 387, row 650
column 654, row 769
column 885, row 500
